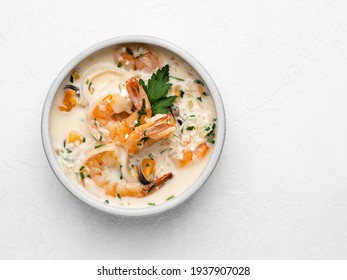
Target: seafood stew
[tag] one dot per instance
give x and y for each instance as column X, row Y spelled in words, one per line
column 133, row 125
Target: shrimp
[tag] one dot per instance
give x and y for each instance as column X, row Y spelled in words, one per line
column 199, row 153
column 69, row 101
column 112, row 118
column 139, row 58
column 152, row 131
column 99, row 166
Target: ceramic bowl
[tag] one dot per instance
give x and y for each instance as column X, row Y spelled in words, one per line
column 64, row 179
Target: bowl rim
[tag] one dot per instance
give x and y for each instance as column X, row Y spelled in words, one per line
column 133, row 212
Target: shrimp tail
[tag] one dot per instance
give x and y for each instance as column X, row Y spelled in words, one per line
column 157, row 183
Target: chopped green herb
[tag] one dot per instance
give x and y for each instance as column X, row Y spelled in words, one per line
column 199, row 82
column 97, row 123
column 120, row 88
column 151, row 188
column 121, row 174
column 106, row 201
column 68, row 151
column 151, row 203
column 170, row 197
column 150, row 156
column 199, row 98
column 144, row 139
column 189, row 116
column 211, row 132
column 119, row 65
column 71, row 79
column 141, row 112
column 176, row 78
column 210, row 129
column 100, row 138
column 205, row 93
column 147, row 165
column 84, row 140
column 82, row 167
column 87, row 81
column 190, row 127
column 129, row 51
column 64, row 143
column 157, row 88
column 89, row 176
column 181, row 93
column 118, row 195
column 82, row 175
column 167, row 149
column 99, row 146
column 145, row 132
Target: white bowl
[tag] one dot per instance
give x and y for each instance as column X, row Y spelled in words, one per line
column 218, row 146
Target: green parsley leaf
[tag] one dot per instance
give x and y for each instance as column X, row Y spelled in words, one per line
column 190, row 127
column 199, row 98
column 163, row 105
column 82, row 167
column 170, row 197
column 181, row 93
column 151, row 203
column 84, row 140
column 82, row 175
column 157, row 88
column 71, row 79
column 118, row 195
column 107, row 202
column 119, row 65
column 87, row 81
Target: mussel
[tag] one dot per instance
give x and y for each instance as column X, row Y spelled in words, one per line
column 146, row 171
column 74, row 88
column 175, row 112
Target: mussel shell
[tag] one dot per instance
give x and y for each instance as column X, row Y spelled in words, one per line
column 141, row 176
column 175, row 111
column 74, row 88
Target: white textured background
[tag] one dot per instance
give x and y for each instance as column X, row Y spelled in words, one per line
column 280, row 189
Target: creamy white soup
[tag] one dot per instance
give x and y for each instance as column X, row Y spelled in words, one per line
column 133, row 126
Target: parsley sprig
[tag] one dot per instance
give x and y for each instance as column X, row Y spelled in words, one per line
column 157, row 88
